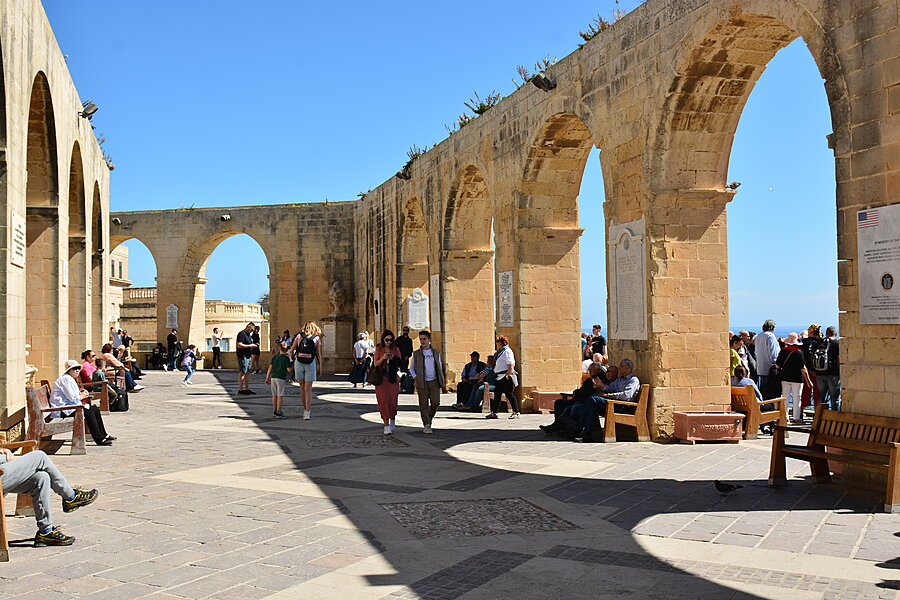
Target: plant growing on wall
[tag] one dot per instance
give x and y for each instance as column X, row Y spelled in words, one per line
column 461, row 121
column 525, row 75
column 480, row 106
column 413, row 153
column 595, row 27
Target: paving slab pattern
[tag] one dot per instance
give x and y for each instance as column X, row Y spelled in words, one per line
column 206, row 495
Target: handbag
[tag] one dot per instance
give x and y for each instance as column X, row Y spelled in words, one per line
column 374, row 376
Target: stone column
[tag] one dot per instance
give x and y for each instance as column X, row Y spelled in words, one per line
column 467, row 306
column 77, row 289
column 188, row 294
column 685, row 358
column 547, row 308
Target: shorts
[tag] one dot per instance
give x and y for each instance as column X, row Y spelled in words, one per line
column 244, row 364
column 277, row 386
column 303, row 372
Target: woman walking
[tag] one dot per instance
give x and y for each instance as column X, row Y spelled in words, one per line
column 360, row 360
column 307, row 352
column 792, row 366
column 388, row 359
column 67, row 393
column 504, row 368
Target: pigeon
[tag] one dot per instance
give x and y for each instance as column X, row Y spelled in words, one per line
column 726, row 488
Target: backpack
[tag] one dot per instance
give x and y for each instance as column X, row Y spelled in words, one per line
column 818, row 355
column 306, row 351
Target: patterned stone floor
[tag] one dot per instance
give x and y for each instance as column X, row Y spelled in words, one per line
column 205, row 495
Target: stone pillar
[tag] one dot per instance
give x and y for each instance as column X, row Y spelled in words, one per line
column 77, row 288
column 42, row 292
column 547, row 308
column 685, row 358
column 189, row 296
column 467, row 306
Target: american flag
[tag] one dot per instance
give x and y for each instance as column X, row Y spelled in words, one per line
column 867, row 218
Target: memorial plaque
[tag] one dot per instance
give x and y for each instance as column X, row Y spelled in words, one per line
column 329, row 333
column 18, row 241
column 64, row 269
column 878, row 260
column 377, row 306
column 417, row 310
column 434, row 289
column 171, row 316
column 628, row 289
column 505, row 305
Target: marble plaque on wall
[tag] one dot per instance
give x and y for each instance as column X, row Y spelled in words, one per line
column 171, row 316
column 417, row 310
column 505, row 303
column 329, row 333
column 627, row 264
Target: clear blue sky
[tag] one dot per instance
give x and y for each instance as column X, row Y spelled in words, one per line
column 235, row 103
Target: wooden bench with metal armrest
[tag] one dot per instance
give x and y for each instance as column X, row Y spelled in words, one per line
column 866, row 440
column 743, row 399
column 39, row 429
column 23, row 501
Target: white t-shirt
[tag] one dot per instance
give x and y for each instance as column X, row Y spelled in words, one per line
column 216, row 338
column 586, row 364
column 360, row 348
column 65, row 393
column 504, row 361
column 430, row 370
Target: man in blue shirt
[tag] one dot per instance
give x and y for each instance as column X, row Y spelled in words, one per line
column 625, row 388
column 767, row 350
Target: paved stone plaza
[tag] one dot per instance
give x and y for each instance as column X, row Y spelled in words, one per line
column 206, row 496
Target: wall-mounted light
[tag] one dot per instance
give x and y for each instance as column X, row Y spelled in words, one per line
column 733, row 185
column 404, row 175
column 543, row 82
column 116, row 221
column 224, row 218
column 89, row 108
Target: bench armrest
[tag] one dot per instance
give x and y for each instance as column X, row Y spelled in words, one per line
column 61, row 408
column 794, row 428
column 779, row 400
column 621, row 402
column 31, row 444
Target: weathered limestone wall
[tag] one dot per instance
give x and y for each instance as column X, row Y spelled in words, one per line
column 53, row 176
column 309, row 249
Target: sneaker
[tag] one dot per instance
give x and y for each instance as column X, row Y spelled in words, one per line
column 491, row 416
column 393, row 422
column 250, row 392
column 82, row 498
column 306, row 415
column 514, row 416
column 427, row 429
column 137, row 388
column 388, row 430
column 189, row 382
column 166, row 368
column 54, row 537
column 184, row 383
column 279, row 414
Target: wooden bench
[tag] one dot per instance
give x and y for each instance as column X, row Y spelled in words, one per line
column 23, row 501
column 638, row 420
column 743, row 399
column 40, row 430
column 877, row 438
column 101, row 396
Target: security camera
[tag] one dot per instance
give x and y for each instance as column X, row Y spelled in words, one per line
column 224, row 218
column 116, row 221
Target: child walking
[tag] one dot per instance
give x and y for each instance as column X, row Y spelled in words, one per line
column 277, row 375
column 189, row 362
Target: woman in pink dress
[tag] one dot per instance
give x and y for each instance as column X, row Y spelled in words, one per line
column 388, row 360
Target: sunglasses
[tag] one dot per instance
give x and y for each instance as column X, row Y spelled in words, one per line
column 389, row 339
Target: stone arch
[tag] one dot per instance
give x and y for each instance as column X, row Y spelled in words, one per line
column 714, row 76
column 467, row 270
column 77, row 258
column 412, row 269
column 42, row 276
column 98, row 321
column 135, row 306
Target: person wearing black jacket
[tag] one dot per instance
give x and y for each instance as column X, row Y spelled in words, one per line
column 562, row 408
column 467, row 378
column 405, row 345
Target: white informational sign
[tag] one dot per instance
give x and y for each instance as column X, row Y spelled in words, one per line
column 329, row 332
column 377, row 304
column 878, row 260
column 505, row 306
column 18, row 241
column 64, row 271
column 627, row 260
column 417, row 310
column 434, row 289
column 171, row 316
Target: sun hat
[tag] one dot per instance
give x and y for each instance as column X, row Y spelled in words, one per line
column 793, row 339
column 70, row 364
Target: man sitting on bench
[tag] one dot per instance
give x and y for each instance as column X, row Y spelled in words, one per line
column 35, row 474
column 626, row 387
column 563, row 407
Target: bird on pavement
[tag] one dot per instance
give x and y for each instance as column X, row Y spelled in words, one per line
column 726, row 488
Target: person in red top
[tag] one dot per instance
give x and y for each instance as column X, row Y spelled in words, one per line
column 87, row 366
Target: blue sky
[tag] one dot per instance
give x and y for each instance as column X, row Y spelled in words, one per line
column 233, row 103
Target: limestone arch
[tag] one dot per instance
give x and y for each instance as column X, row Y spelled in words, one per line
column 412, row 268
column 467, row 270
column 42, row 273
column 142, row 319
column 77, row 256
column 715, row 73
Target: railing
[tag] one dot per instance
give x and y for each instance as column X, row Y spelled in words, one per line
column 140, row 293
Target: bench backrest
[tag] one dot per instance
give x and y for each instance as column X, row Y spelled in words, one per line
column 854, row 431
column 38, row 398
column 743, row 398
column 643, row 399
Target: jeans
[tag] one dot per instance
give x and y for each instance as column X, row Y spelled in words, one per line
column 190, row 371
column 129, row 381
column 429, row 400
column 35, row 474
column 829, row 388
column 476, row 397
column 173, row 357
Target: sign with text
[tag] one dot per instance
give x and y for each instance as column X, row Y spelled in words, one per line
column 171, row 316
column 417, row 310
column 627, row 261
column 505, row 306
column 878, row 263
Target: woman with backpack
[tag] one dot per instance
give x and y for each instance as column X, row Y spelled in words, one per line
column 792, row 369
column 307, row 352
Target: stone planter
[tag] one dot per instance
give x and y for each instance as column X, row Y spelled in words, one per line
column 543, row 401
column 710, row 426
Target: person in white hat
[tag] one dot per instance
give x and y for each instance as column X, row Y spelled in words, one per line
column 66, row 392
column 791, row 363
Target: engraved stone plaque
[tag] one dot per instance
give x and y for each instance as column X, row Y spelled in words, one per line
column 878, row 264
column 417, row 310
column 628, row 289
column 171, row 316
column 505, row 291
column 19, row 241
column 329, row 333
